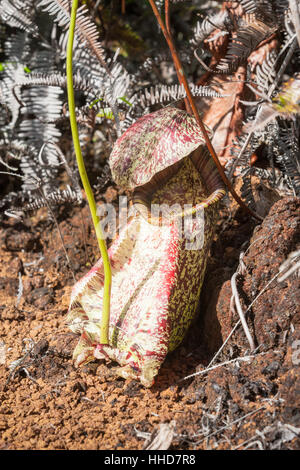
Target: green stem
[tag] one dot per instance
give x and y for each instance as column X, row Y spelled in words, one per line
column 86, row 184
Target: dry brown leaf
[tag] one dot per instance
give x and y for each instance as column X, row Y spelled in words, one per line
column 161, row 438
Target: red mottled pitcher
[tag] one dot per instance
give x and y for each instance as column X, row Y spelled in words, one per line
column 158, row 261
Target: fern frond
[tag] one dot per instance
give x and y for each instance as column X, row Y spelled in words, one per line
column 86, row 30
column 242, row 149
column 162, row 93
column 287, row 151
column 263, row 9
column 43, row 104
column 56, row 80
column 17, row 47
column 14, row 150
column 249, row 34
column 281, row 8
column 115, row 86
column 18, row 15
column 55, row 198
column 266, row 72
column 249, row 6
column 142, row 101
column 11, row 74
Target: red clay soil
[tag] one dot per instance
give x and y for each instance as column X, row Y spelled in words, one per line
column 252, row 403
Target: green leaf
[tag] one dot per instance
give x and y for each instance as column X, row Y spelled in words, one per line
column 106, row 114
column 125, row 100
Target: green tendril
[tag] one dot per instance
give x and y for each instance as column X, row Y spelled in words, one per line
column 86, row 184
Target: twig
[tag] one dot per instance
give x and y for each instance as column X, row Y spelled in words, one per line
column 262, row 291
column 283, row 67
column 123, row 7
column 225, row 342
column 269, row 94
column 289, row 272
column 95, row 403
column 86, row 184
column 238, row 323
column 73, row 179
column 287, row 265
column 208, row 69
column 15, row 365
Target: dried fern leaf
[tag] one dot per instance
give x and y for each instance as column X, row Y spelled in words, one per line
column 203, row 29
column 55, row 198
column 249, row 34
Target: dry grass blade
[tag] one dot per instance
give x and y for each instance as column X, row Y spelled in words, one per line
column 249, row 35
column 20, row 289
column 290, row 266
column 239, row 321
column 240, row 311
column 248, row 308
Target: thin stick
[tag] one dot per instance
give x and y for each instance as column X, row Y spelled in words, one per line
column 250, row 442
column 84, row 178
column 283, row 67
column 59, row 232
column 269, row 94
column 182, row 78
column 293, row 4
